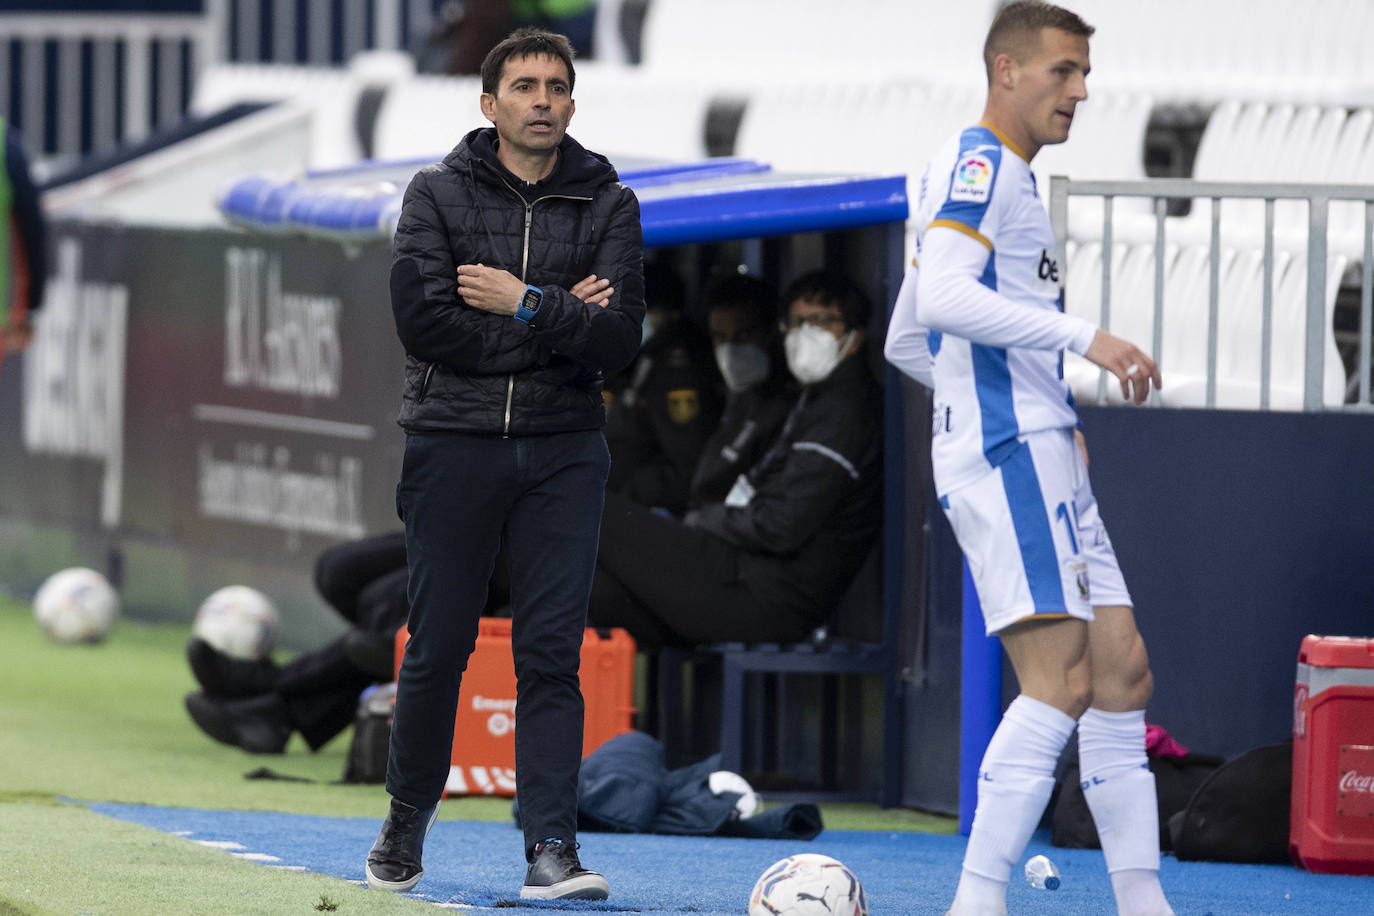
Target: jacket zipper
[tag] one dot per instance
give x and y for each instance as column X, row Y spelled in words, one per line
column 424, row 383
column 524, row 267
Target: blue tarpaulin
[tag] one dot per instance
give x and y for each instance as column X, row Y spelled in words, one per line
column 706, row 201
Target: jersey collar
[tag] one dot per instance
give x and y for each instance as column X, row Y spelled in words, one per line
column 1005, row 140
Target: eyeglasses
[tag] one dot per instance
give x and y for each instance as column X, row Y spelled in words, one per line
column 815, row 320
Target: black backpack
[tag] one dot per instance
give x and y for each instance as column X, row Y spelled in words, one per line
column 371, row 735
column 1240, row 813
column 1176, row 779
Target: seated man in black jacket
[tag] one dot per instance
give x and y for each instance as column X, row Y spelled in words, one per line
column 742, row 317
column 661, row 410
column 769, row 561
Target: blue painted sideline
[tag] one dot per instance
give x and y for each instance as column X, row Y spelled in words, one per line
column 980, row 685
column 478, row 867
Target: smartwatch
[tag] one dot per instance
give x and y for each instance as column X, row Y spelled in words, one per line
column 529, row 304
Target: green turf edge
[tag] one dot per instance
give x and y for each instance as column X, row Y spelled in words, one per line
column 10, row 907
column 129, row 868
column 92, row 722
column 106, row 723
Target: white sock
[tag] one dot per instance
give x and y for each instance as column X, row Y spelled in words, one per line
column 1014, row 785
column 1120, row 790
column 1138, row 893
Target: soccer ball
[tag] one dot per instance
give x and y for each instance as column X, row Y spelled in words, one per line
column 76, row 605
column 239, row 621
column 808, row 884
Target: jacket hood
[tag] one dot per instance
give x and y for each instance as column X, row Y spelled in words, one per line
column 579, row 170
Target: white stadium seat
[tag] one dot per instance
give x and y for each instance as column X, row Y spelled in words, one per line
column 628, row 113
column 617, row 114
column 741, row 44
column 426, row 116
column 331, row 93
column 1183, row 354
column 1190, row 51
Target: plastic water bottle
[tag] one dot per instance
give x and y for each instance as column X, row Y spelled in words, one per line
column 1042, row 874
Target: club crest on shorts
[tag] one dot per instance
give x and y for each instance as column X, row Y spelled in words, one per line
column 1079, row 571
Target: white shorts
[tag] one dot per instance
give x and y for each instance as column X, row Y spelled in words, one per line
column 1034, row 542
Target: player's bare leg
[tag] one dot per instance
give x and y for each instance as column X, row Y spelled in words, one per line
column 1117, row 782
column 1054, row 667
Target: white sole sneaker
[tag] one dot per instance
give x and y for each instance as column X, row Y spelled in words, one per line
column 590, row 886
column 400, row 887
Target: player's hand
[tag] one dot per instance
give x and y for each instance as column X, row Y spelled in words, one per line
column 594, row 291
column 490, row 289
column 1130, row 364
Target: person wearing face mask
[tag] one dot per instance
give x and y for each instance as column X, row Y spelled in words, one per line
column 767, row 561
column 661, row 410
column 742, row 318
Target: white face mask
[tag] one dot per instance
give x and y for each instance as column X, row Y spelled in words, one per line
column 742, row 365
column 646, row 330
column 812, row 352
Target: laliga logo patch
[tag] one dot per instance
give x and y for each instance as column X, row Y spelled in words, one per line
column 972, row 178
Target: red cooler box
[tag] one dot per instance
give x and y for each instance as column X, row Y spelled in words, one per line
column 483, row 760
column 1332, row 819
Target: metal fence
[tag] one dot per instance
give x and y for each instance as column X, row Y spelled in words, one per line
column 1318, row 199
column 81, row 83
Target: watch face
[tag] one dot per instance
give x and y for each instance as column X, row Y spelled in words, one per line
column 531, row 300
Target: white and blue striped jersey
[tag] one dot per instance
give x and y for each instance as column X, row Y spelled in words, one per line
column 990, row 298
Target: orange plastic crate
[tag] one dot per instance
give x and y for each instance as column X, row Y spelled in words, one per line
column 483, row 759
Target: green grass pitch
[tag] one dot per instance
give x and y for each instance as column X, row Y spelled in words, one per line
column 106, row 723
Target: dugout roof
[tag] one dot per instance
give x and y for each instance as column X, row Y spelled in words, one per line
column 681, row 203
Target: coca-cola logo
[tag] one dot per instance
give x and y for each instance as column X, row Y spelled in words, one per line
column 1352, row 781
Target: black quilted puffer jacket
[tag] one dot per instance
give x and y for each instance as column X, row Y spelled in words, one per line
column 472, row 371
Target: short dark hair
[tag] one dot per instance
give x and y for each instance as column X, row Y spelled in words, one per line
column 748, row 294
column 829, row 287
column 522, row 43
column 1017, row 24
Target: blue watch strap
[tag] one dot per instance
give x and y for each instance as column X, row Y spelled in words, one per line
column 529, row 304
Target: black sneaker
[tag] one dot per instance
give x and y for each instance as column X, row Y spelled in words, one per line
column 394, row 862
column 222, row 676
column 556, row 874
column 259, row 725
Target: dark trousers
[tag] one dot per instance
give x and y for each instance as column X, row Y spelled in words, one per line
column 365, row 581
column 359, row 578
column 669, row 584
column 461, row 498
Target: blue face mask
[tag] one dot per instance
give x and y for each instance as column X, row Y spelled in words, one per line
column 646, row 330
